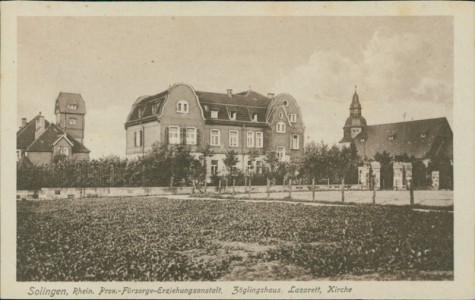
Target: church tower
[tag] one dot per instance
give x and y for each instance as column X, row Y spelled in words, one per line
column 355, row 123
column 70, row 111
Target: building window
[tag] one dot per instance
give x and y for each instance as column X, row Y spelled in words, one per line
column 72, row 106
column 72, row 121
column 233, row 138
column 285, row 102
column 254, row 117
column 280, row 153
column 64, row 151
column 423, row 135
column 293, row 118
column 281, row 115
column 141, row 111
column 154, row 108
column 249, row 166
column 295, row 142
column 214, row 167
column 206, row 108
column 173, row 135
column 191, row 136
column 362, row 140
column 182, row 106
column 233, row 115
column 214, row 114
column 259, row 167
column 259, row 139
column 18, row 155
column 138, row 138
column 391, row 137
column 215, row 137
column 280, row 127
column 250, row 138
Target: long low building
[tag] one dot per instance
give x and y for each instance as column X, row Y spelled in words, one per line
column 224, row 121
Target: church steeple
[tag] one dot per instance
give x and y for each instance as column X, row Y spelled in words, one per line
column 355, row 107
column 355, row 123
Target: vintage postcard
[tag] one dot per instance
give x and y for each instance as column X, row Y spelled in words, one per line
column 259, row 150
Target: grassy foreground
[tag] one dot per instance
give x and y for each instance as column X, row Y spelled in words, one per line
column 156, row 239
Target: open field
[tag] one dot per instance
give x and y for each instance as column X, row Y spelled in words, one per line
column 157, row 239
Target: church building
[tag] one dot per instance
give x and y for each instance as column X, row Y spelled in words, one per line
column 424, row 139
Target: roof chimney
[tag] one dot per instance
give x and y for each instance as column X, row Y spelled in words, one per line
column 39, row 126
column 270, row 95
column 23, row 122
column 230, row 92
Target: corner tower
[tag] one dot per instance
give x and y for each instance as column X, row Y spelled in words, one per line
column 70, row 111
column 355, row 123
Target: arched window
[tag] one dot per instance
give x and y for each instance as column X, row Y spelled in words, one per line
column 280, row 127
column 182, row 106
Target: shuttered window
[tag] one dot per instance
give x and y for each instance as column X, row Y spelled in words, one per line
column 173, row 135
column 191, row 136
column 138, row 138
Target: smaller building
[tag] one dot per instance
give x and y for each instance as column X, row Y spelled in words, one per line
column 39, row 140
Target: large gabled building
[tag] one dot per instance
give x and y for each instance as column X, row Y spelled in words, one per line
column 423, row 139
column 427, row 140
column 39, row 140
column 225, row 121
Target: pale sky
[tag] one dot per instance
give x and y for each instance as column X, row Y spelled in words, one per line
column 400, row 64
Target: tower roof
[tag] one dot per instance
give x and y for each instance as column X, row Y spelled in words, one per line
column 355, row 103
column 355, row 121
column 70, row 103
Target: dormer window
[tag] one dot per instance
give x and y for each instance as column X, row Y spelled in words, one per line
column 280, row 127
column 391, row 137
column 293, row 118
column 182, row 107
column 362, row 140
column 423, row 135
column 254, row 117
column 154, row 108
column 233, row 115
column 141, row 111
column 72, row 106
column 214, row 114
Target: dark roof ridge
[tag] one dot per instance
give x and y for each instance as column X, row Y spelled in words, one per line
column 21, row 130
column 411, row 121
column 231, row 104
column 38, row 138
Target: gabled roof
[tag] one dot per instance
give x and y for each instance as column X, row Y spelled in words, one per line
column 45, row 142
column 420, row 138
column 65, row 99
